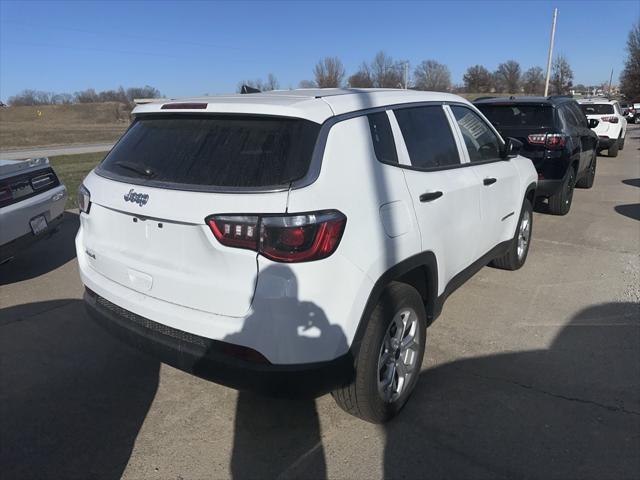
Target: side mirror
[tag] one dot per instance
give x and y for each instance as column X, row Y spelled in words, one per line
column 512, row 147
column 593, row 123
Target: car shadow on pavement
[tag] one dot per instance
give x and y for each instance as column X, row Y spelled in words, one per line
column 44, row 256
column 634, row 182
column 630, row 210
column 569, row 411
column 72, row 399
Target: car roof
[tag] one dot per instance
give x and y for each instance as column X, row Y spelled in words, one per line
column 315, row 104
column 551, row 100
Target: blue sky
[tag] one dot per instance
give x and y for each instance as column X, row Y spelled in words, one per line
column 191, row 48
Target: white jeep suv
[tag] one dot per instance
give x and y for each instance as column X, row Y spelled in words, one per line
column 612, row 126
column 299, row 241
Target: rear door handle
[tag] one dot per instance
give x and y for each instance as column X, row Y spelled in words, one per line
column 489, row 181
column 430, row 196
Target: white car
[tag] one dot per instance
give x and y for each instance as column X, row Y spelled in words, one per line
column 299, row 240
column 612, row 126
column 32, row 201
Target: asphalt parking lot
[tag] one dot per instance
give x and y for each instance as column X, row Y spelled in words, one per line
column 534, row 373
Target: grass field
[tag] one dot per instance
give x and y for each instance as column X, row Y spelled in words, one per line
column 62, row 124
column 71, row 169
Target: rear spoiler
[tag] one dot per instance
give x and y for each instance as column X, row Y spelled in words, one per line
column 10, row 167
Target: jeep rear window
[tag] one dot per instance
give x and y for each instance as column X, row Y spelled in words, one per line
column 518, row 115
column 596, row 108
column 217, row 151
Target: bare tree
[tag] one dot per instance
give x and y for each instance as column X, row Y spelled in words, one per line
column 431, row 75
column 36, row 97
column 62, row 99
column 533, row 81
column 142, row 92
column 271, row 83
column 362, row 78
column 386, row 73
column 561, row 76
column 307, row 84
column 86, row 96
column 31, row 97
column 477, row 79
column 114, row 96
column 507, row 77
column 630, row 76
column 329, row 72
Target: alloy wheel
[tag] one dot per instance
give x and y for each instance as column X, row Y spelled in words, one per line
column 397, row 362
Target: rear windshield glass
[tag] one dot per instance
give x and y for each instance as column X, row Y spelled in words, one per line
column 596, row 108
column 218, row 151
column 518, row 115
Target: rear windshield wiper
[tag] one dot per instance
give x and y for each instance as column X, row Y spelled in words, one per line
column 144, row 171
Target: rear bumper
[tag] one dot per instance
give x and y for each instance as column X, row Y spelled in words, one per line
column 605, row 142
column 11, row 248
column 548, row 187
column 218, row 361
column 14, row 218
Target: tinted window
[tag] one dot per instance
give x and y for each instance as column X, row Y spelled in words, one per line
column 565, row 117
column 569, row 115
column 518, row 115
column 226, row 151
column 596, row 108
column 382, row 137
column 428, row 137
column 580, row 116
column 482, row 144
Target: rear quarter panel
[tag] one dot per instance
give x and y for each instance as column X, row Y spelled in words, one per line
column 381, row 228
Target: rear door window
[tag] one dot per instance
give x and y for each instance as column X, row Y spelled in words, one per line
column 580, row 116
column 382, row 138
column 569, row 115
column 213, row 151
column 482, row 144
column 428, row 137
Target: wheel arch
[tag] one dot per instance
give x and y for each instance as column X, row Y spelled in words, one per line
column 419, row 271
column 530, row 192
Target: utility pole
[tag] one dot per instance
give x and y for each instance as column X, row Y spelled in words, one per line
column 553, row 34
column 610, row 80
column 406, row 74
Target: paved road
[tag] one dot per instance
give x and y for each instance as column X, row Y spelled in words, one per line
column 53, row 151
column 534, row 374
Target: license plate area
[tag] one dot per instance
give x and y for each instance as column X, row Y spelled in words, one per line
column 38, row 224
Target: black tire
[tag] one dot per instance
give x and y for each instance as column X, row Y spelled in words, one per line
column 511, row 260
column 361, row 396
column 621, row 143
column 590, row 176
column 560, row 202
column 613, row 149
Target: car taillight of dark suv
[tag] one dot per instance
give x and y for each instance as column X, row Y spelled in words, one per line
column 556, row 136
